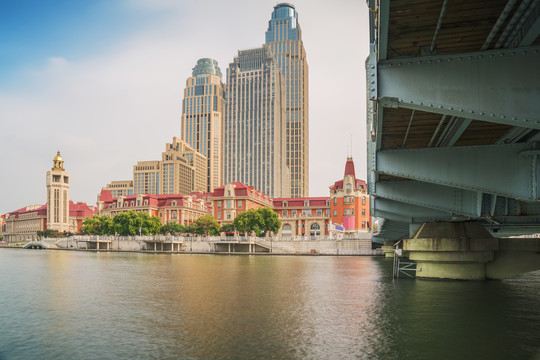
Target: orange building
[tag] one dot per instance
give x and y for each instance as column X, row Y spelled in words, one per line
column 178, row 208
column 233, row 198
column 349, row 202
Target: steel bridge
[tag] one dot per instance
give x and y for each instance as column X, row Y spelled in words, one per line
column 454, row 114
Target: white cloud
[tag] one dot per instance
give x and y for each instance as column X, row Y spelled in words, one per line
column 57, row 63
column 110, row 110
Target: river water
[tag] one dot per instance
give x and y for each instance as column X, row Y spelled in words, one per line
column 85, row 305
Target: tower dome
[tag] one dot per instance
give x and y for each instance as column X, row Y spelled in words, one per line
column 206, row 66
column 58, row 162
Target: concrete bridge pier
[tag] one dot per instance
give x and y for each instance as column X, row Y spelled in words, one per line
column 467, row 251
column 515, row 256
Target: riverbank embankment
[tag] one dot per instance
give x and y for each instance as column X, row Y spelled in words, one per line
column 359, row 245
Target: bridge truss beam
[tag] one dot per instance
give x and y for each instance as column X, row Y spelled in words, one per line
column 498, row 86
column 509, row 170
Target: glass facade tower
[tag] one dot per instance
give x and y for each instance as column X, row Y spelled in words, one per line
column 254, row 127
column 284, row 39
column 202, row 117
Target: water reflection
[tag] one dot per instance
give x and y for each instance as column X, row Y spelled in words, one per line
column 59, row 304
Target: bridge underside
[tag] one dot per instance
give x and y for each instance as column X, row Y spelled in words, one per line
column 454, row 114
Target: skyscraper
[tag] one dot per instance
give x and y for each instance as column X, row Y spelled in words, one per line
column 284, row 39
column 202, row 117
column 254, row 127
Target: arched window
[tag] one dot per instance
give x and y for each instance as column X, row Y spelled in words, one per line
column 286, row 230
column 315, row 229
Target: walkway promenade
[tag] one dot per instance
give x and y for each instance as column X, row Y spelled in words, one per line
column 301, row 245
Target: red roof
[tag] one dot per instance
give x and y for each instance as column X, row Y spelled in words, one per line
column 349, row 171
column 349, row 168
column 41, row 210
column 158, row 200
column 105, row 195
column 81, row 209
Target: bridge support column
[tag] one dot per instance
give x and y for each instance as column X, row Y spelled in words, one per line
column 515, row 256
column 388, row 249
column 457, row 251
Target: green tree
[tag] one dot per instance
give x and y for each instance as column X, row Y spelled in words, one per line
column 255, row 222
column 241, row 222
column 270, row 220
column 193, row 229
column 207, row 224
column 126, row 223
column 227, row 228
column 107, row 225
column 172, row 228
column 50, row 234
column 146, row 224
column 91, row 226
column 149, row 224
column 135, row 223
column 98, row 225
column 249, row 221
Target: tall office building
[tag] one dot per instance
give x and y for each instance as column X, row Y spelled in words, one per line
column 202, row 117
column 284, row 39
column 254, row 127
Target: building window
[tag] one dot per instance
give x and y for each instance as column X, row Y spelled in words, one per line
column 335, row 201
column 219, row 204
column 229, row 204
column 284, row 212
column 219, row 214
column 306, row 203
column 363, row 212
column 228, row 216
column 319, row 212
column 145, row 202
column 284, row 204
column 239, row 204
column 174, row 203
column 335, row 213
column 174, row 215
column 364, row 200
column 293, row 213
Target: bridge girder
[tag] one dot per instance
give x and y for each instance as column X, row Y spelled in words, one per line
column 498, row 86
column 510, row 170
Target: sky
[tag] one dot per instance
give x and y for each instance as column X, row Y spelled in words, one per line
column 102, row 81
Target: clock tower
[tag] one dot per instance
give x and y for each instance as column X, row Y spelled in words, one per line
column 58, row 181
